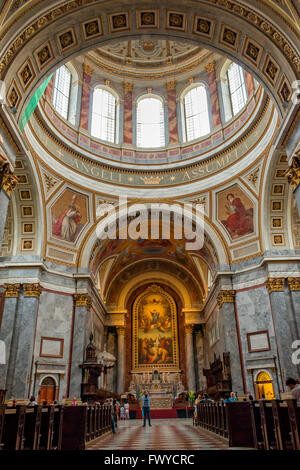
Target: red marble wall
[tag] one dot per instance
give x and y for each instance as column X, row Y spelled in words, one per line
column 128, row 89
column 85, row 99
column 173, row 129
column 249, row 83
column 213, row 91
column 49, row 89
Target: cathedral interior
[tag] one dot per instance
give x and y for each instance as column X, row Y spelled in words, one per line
column 191, row 103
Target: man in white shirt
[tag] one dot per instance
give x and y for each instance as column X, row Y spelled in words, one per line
column 295, row 387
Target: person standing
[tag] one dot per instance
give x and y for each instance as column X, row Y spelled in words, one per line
column 126, row 407
column 146, row 407
column 294, row 387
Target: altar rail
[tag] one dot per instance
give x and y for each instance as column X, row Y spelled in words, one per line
column 267, row 425
column 52, row 427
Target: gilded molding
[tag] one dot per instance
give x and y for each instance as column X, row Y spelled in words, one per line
column 171, row 85
column 225, row 296
column 275, row 284
column 12, row 290
column 87, row 69
column 128, row 86
column 188, row 329
column 32, row 290
column 294, row 283
column 293, row 173
column 83, row 300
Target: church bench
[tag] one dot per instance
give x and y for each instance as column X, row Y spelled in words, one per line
column 2, row 415
column 294, row 418
column 256, row 425
column 57, row 427
column 282, row 426
column 74, row 428
column 47, row 427
column 239, row 424
column 32, row 428
column 13, row 430
column 267, row 425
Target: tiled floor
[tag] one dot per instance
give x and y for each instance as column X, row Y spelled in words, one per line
column 177, row 434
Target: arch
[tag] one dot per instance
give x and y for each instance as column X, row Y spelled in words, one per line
column 228, row 28
column 264, row 385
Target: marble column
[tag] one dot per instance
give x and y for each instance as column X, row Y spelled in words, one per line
column 293, row 176
column 199, row 342
column 231, row 339
column 294, row 286
column 121, row 360
column 85, row 97
column 8, row 182
column 25, row 332
column 128, row 93
column 190, row 360
column 49, row 89
column 213, row 91
column 82, row 305
column 8, row 327
column 172, row 114
column 284, row 325
column 249, row 81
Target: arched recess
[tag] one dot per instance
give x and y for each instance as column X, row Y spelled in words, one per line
column 41, row 39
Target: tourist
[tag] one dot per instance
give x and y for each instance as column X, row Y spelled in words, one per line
column 32, row 401
column 126, row 408
column 122, row 412
column 113, row 411
column 206, row 399
column 74, row 402
column 232, row 397
column 294, row 386
column 146, row 407
column 250, row 397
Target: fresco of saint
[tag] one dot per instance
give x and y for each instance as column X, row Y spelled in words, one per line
column 67, row 225
column 240, row 220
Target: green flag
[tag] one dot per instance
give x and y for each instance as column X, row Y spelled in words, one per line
column 33, row 103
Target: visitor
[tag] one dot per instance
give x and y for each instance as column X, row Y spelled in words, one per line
column 126, row 408
column 232, row 397
column 206, row 399
column 112, row 411
column 226, row 398
column 74, row 402
column 294, row 386
column 250, row 397
column 32, row 401
column 146, row 407
column 44, row 403
column 122, row 412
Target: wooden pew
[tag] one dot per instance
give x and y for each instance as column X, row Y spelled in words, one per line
column 32, row 428
column 57, row 427
column 74, row 435
column 294, row 417
column 267, row 425
column 13, row 431
column 2, row 416
column 256, row 425
column 282, row 426
column 47, row 427
column 239, row 424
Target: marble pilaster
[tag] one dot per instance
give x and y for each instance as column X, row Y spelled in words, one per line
column 249, row 83
column 81, row 313
column 294, row 286
column 172, row 114
column 189, row 354
column 284, row 324
column 8, row 183
column 230, row 333
column 128, row 93
column 25, row 331
column 8, row 326
column 199, row 346
column 49, row 89
column 213, row 91
column 85, row 97
column 121, row 359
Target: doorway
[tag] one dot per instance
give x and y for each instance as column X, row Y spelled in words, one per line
column 264, row 386
column 47, row 392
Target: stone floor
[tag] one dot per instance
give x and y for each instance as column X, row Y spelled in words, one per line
column 172, row 434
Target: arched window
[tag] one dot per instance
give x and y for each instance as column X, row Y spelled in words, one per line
column 150, row 123
column 237, row 87
column 104, row 111
column 196, row 114
column 61, row 91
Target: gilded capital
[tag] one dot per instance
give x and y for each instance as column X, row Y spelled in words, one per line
column 293, row 173
column 120, row 330
column 87, row 69
column 32, row 290
column 275, row 284
column 294, row 283
column 188, row 329
column 225, row 296
column 210, row 67
column 171, row 85
column 83, row 300
column 128, row 86
column 12, row 290
column 8, row 180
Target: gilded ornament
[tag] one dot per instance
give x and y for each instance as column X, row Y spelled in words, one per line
column 225, row 296
column 294, row 283
column 275, row 284
column 12, row 290
column 293, row 173
column 83, row 300
column 32, row 290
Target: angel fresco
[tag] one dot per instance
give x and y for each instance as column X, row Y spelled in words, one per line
column 240, row 220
